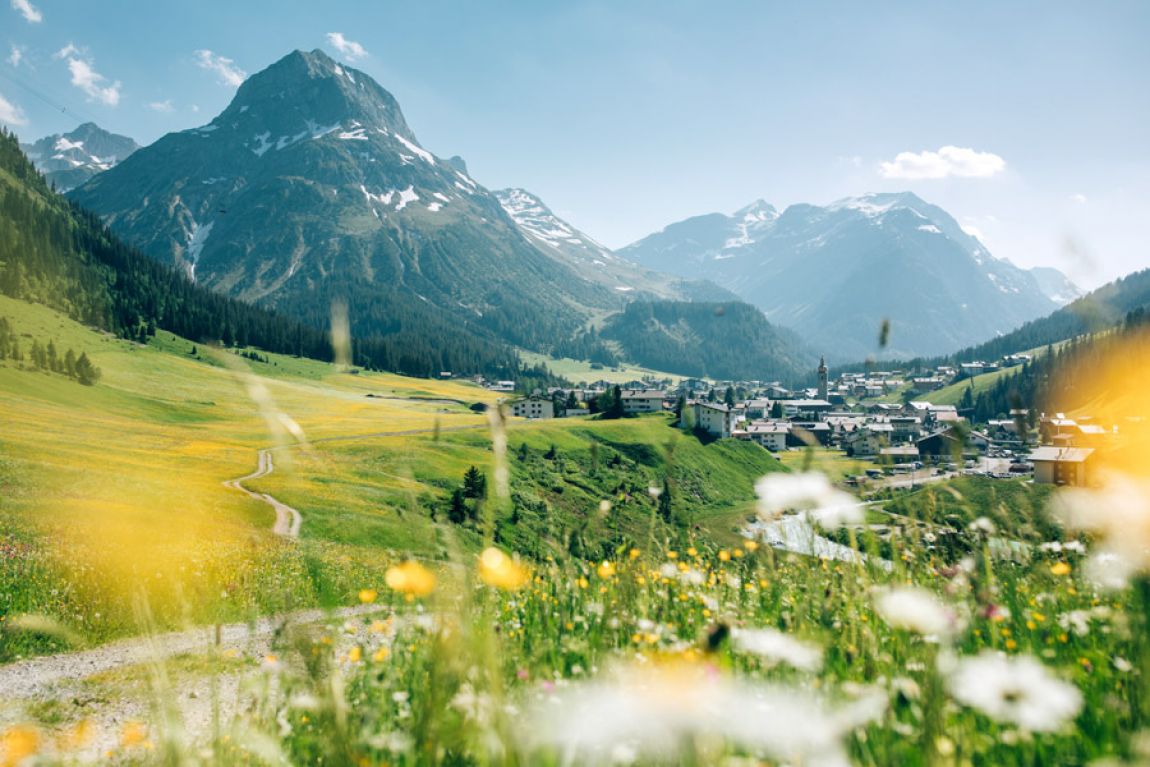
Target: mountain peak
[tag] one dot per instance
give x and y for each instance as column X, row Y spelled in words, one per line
column 759, row 210
column 311, row 89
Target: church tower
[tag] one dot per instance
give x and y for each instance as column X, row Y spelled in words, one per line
column 822, row 378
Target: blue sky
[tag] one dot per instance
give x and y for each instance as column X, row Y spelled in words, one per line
column 626, row 116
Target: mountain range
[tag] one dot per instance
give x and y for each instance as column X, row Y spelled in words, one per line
column 69, row 159
column 837, row 273
column 310, row 189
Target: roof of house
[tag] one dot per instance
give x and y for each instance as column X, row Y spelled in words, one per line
column 1062, row 454
column 809, row 403
column 1091, row 428
column 643, row 394
column 768, row 428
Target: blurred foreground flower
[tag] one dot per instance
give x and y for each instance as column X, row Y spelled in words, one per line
column 678, row 713
column 778, row 647
column 410, row 578
column 1019, row 690
column 1118, row 512
column 917, row 610
column 499, row 570
column 809, row 492
column 18, row 743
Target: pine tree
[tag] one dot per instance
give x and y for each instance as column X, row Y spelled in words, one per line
column 86, row 373
column 665, row 501
column 457, row 511
column 474, row 483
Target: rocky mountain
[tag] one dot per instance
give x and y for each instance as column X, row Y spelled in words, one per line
column 68, row 160
column 571, row 247
column 835, row 273
column 1055, row 285
column 310, row 188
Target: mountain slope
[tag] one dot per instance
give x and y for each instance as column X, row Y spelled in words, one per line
column 1096, row 311
column 571, row 247
column 721, row 340
column 835, row 273
column 53, row 254
column 310, row 188
column 70, row 159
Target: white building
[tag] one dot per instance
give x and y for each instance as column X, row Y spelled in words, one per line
column 770, row 434
column 714, row 418
column 533, row 407
column 643, row 400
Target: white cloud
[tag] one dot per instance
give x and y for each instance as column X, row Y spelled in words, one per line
column 225, row 68
column 1078, row 198
column 947, row 161
column 164, row 106
column 66, row 51
column 10, row 113
column 92, row 82
column 350, row 49
column 30, row 12
column 16, row 56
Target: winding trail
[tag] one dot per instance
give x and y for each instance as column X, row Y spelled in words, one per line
column 288, row 520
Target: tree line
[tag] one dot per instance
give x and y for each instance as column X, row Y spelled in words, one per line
column 54, row 253
column 47, row 356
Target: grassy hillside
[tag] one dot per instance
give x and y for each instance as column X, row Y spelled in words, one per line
column 392, row 490
column 952, row 394
column 115, row 491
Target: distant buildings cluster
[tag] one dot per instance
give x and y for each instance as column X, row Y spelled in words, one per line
column 836, row 415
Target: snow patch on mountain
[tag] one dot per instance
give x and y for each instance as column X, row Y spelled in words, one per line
column 406, row 196
column 419, row 151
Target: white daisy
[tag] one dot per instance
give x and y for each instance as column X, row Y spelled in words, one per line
column 1018, row 689
column 658, row 711
column 778, row 647
column 917, row 610
column 809, row 492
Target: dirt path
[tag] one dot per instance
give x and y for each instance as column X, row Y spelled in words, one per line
column 39, row 676
column 288, row 520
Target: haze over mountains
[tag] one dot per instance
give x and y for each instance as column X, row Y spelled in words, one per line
column 834, row 273
column 310, row 187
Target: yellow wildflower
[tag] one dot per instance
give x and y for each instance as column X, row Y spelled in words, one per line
column 367, row 596
column 19, row 742
column 499, row 570
column 411, row 578
column 1060, row 568
column 133, row 734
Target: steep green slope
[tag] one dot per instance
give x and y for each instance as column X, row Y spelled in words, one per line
column 720, row 340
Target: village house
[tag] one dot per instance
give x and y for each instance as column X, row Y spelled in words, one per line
column 806, row 434
column 714, row 418
column 533, row 407
column 643, row 400
column 770, row 434
column 1051, row 427
column 1062, row 465
column 806, row 408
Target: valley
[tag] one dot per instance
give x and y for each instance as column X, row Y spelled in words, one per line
column 323, row 445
